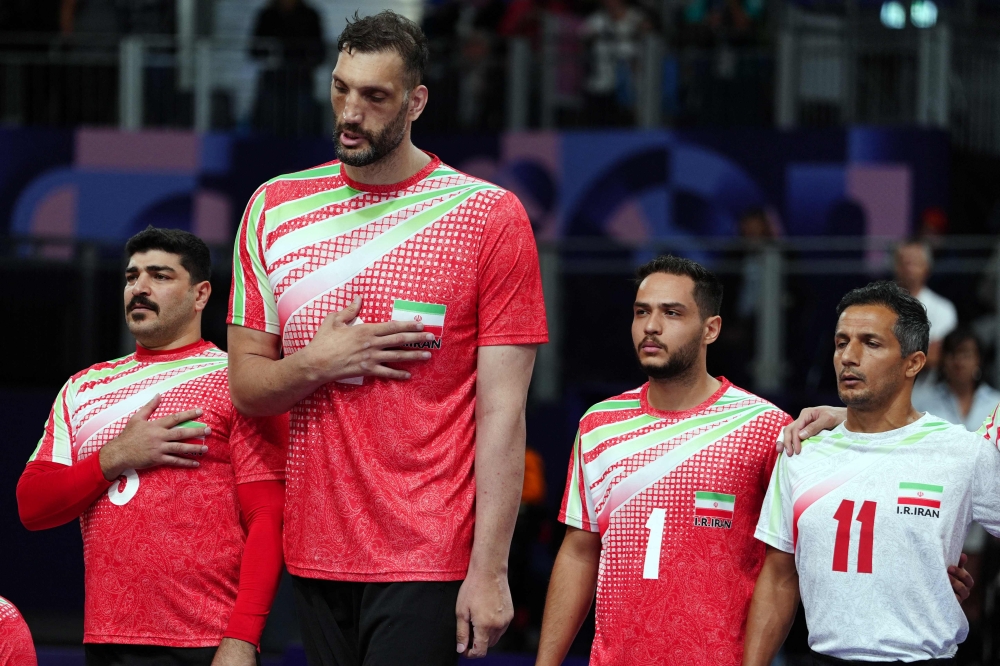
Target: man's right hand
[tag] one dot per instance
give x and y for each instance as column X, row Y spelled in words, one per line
column 144, row 443
column 340, row 350
column 811, row 421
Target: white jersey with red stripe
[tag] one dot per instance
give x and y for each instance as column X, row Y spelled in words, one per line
column 675, row 497
column 874, row 521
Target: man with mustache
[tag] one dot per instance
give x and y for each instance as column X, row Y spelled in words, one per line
column 866, row 518
column 393, row 304
column 664, row 491
column 179, row 497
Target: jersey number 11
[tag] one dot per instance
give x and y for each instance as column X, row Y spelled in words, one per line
column 866, row 516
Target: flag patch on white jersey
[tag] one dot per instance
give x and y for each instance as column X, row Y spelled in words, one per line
column 920, row 494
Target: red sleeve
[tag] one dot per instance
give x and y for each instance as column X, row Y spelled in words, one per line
column 261, row 506
column 511, row 307
column 51, row 494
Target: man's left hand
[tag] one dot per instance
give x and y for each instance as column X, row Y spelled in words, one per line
column 484, row 610
column 961, row 580
column 234, row 652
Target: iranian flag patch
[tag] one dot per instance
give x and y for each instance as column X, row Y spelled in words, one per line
column 713, row 509
column 431, row 315
column 919, row 495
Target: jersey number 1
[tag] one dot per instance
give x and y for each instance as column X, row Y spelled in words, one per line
column 866, row 516
column 651, row 565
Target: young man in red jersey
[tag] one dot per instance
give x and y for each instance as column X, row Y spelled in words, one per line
column 394, row 305
column 664, row 492
column 16, row 648
column 179, row 497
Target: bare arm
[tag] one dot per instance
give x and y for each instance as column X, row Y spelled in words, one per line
column 503, row 374
column 263, row 383
column 772, row 610
column 571, row 593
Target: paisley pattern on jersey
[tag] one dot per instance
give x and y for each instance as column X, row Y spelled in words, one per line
column 671, row 589
column 16, row 646
column 163, row 546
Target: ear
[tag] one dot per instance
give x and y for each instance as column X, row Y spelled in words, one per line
column 418, row 102
column 202, row 291
column 712, row 327
column 914, row 363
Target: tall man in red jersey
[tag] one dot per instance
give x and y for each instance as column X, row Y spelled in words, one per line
column 394, row 305
column 182, row 553
column 664, row 491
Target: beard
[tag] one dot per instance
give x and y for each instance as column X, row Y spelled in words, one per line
column 380, row 143
column 870, row 397
column 151, row 329
column 677, row 363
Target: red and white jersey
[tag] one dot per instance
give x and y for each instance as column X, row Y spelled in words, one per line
column 163, row 546
column 380, row 473
column 16, row 647
column 675, row 497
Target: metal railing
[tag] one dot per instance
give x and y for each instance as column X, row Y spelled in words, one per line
column 787, row 345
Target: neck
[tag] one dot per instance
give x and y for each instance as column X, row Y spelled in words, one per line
column 962, row 389
column 683, row 392
column 897, row 414
column 189, row 336
column 395, row 167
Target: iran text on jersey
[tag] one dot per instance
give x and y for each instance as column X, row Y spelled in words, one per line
column 380, row 476
column 675, row 497
column 874, row 521
column 163, row 546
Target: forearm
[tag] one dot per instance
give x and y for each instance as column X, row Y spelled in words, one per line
column 772, row 611
column 570, row 595
column 261, row 386
column 51, row 494
column 262, row 505
column 499, row 473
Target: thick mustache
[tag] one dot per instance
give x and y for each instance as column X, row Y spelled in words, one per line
column 354, row 129
column 143, row 301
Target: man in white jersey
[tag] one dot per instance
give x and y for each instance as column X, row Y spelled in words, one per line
column 864, row 521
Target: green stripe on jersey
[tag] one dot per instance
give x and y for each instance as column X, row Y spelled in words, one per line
column 718, row 497
column 905, row 485
column 613, row 406
column 315, row 172
column 414, row 306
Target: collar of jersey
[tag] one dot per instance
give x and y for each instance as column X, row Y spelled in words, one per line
column 649, row 409
column 144, row 355
column 925, row 421
column 393, row 187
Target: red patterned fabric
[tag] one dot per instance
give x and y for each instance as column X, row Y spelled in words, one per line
column 163, row 546
column 380, row 473
column 674, row 587
column 16, row 648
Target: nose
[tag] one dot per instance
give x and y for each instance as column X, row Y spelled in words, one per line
column 352, row 110
column 141, row 285
column 652, row 326
column 850, row 355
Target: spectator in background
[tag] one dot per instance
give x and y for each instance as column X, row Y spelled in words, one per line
column 959, row 395
column 913, row 263
column 16, row 648
column 614, row 32
column 285, row 101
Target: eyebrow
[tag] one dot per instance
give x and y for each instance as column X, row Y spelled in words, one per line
column 364, row 89
column 151, row 269
column 672, row 305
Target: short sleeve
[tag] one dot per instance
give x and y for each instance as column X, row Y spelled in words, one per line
column 577, row 506
column 511, row 308
column 784, row 420
column 989, row 428
column 258, row 447
column 775, row 525
column 56, row 444
column 986, row 487
column 251, row 299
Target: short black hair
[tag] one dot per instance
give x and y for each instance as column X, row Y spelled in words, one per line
column 195, row 256
column 912, row 328
column 388, row 31
column 707, row 288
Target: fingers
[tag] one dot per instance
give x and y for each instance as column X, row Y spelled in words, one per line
column 345, row 316
column 177, row 418
column 961, row 580
column 392, row 327
column 397, row 356
column 462, row 632
column 178, row 434
column 373, row 369
column 174, row 461
column 147, row 410
column 480, row 642
column 179, row 449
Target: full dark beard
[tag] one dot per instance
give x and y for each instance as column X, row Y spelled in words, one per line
column 379, row 145
column 678, row 363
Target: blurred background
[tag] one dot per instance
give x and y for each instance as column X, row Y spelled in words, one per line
column 791, row 146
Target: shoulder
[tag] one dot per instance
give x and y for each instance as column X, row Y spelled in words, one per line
column 942, row 432
column 612, row 409
column 445, row 175
column 294, row 181
column 100, row 372
column 739, row 397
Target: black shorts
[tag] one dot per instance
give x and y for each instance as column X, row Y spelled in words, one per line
column 377, row 624
column 817, row 659
column 112, row 654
